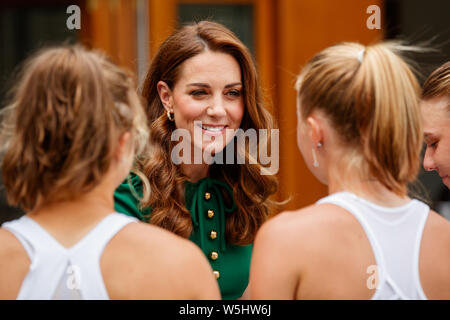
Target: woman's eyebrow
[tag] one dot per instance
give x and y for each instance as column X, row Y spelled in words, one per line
column 204, row 85
column 233, row 84
column 428, row 136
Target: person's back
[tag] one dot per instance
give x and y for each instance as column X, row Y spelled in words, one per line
column 329, row 250
column 360, row 133
column 402, row 239
column 35, row 265
column 69, row 138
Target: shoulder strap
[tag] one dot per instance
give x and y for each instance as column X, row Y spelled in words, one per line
column 425, row 209
column 85, row 255
column 47, row 256
column 15, row 229
column 100, row 235
column 32, row 236
column 50, row 260
column 417, row 217
column 339, row 200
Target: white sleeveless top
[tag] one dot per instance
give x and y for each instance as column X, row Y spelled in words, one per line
column 395, row 235
column 59, row 273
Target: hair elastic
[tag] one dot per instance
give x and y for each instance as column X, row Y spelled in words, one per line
column 360, row 55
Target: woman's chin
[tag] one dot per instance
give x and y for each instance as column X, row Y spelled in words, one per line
column 213, row 149
column 446, row 181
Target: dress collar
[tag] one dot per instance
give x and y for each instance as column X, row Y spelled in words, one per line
column 194, row 196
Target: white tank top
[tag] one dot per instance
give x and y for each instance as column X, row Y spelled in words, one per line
column 395, row 235
column 57, row 272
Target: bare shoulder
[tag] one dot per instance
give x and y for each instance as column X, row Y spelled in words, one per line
column 438, row 223
column 10, row 247
column 436, row 238
column 288, row 221
column 434, row 258
column 156, row 243
column 147, row 257
column 309, row 223
column 8, row 241
column 321, row 232
column 299, row 246
column 14, row 266
column 140, row 234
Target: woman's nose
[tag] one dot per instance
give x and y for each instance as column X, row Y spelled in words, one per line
column 217, row 108
column 428, row 161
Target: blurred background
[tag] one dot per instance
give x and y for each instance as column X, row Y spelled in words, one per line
column 281, row 34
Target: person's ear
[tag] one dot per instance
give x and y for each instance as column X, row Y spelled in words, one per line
column 123, row 147
column 315, row 130
column 165, row 95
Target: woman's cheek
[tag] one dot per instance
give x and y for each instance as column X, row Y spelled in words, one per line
column 237, row 114
column 189, row 111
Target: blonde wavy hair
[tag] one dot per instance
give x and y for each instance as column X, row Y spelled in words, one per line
column 61, row 128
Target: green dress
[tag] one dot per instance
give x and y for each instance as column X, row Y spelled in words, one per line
column 205, row 201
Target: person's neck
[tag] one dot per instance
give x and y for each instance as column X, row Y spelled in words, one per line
column 367, row 188
column 195, row 172
column 92, row 205
column 69, row 221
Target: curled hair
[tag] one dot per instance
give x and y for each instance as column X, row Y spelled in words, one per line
column 371, row 96
column 61, row 129
column 163, row 180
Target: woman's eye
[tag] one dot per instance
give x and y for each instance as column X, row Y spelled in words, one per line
column 234, row 93
column 431, row 144
column 198, row 93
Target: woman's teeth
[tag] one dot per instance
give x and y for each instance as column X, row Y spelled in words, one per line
column 215, row 129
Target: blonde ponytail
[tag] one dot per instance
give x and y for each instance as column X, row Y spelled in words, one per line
column 372, row 98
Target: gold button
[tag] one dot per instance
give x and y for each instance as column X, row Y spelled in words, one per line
column 213, row 255
column 213, row 234
column 210, row 214
column 207, row 195
column 216, row 274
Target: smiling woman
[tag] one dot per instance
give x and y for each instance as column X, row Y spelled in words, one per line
column 203, row 80
column 208, row 92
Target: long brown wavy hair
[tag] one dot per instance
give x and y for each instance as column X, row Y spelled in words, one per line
column 62, row 126
column 163, row 181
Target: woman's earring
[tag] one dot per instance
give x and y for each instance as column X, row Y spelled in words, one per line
column 170, row 115
column 316, row 163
